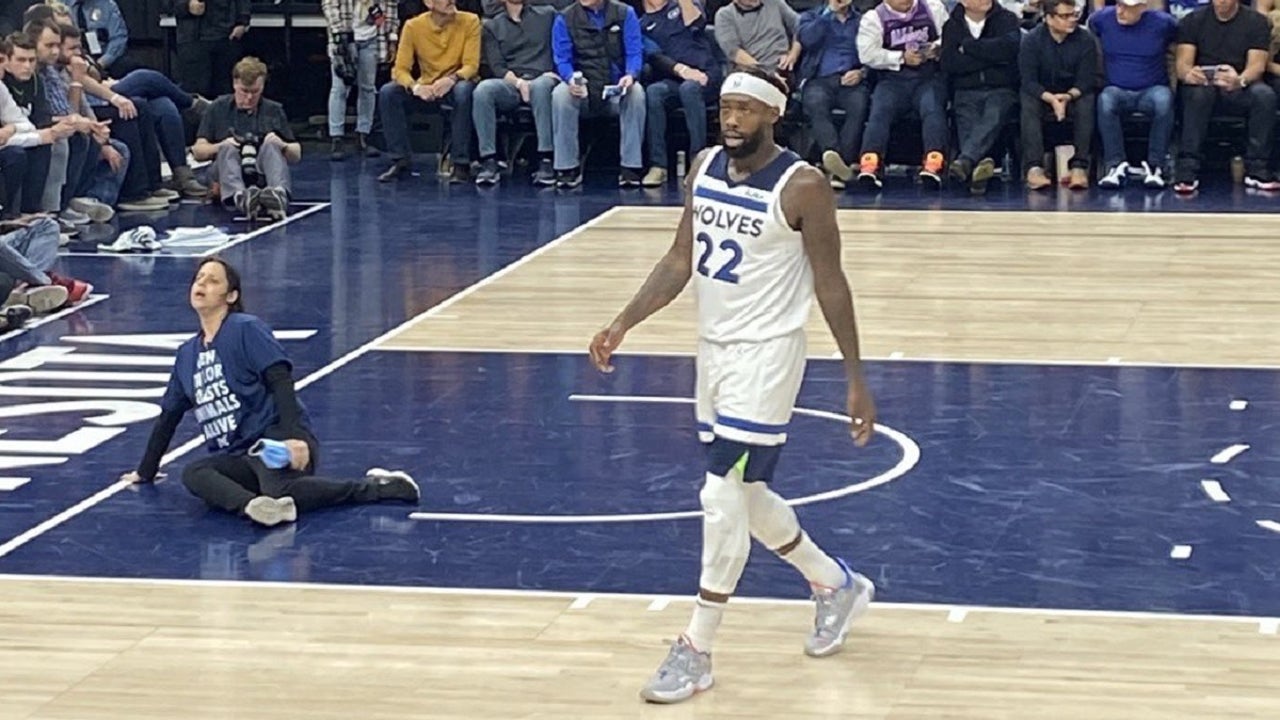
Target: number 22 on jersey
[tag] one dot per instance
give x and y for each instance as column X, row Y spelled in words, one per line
column 726, row 267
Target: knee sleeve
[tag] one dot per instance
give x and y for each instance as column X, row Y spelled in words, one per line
column 771, row 519
column 726, row 537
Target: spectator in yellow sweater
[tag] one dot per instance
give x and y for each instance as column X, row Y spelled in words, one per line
column 443, row 45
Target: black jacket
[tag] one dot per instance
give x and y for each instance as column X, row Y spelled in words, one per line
column 985, row 63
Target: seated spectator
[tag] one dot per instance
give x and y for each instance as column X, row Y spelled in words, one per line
column 445, row 44
column 106, row 35
column 517, row 51
column 28, row 252
column 831, row 75
column 1221, row 58
column 901, row 39
column 759, row 33
column 1182, row 8
column 1058, row 62
column 686, row 69
column 251, row 144
column 980, row 58
column 494, row 8
column 1135, row 44
column 598, row 49
column 361, row 37
column 24, row 148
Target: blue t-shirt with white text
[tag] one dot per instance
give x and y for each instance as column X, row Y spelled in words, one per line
column 224, row 382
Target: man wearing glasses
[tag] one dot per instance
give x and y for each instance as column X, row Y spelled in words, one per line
column 1058, row 62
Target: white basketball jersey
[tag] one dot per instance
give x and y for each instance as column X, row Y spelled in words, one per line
column 750, row 271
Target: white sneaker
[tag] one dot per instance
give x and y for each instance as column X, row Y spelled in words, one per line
column 98, row 212
column 1115, row 177
column 1152, row 178
column 835, row 611
column 684, row 673
column 271, row 511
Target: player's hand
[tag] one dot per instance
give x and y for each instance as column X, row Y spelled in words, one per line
column 299, row 454
column 862, row 409
column 603, row 345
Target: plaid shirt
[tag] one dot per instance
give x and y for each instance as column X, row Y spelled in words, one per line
column 56, row 89
column 341, row 16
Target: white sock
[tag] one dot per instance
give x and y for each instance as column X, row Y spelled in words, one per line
column 816, row 566
column 702, row 626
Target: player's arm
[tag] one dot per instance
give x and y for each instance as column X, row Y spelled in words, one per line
column 810, row 207
column 664, row 284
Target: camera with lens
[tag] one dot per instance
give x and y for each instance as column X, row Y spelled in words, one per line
column 249, row 157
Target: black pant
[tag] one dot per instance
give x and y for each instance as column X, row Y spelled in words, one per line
column 822, row 94
column 229, row 482
column 981, row 115
column 204, row 66
column 1036, row 113
column 25, row 171
column 1257, row 103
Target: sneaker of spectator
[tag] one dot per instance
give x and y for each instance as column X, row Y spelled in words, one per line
column 42, row 299
column 275, row 202
column 77, row 290
column 97, row 211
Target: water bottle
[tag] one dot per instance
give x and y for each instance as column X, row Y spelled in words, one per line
column 578, row 79
column 680, row 163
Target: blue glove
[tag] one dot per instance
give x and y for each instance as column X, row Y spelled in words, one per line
column 273, row 453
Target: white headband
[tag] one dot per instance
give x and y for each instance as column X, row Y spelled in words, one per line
column 744, row 84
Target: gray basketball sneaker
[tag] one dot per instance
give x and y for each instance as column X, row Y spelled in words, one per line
column 271, row 511
column 682, row 675
column 836, row 610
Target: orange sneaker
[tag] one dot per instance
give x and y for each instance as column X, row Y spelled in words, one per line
column 869, row 171
column 931, row 170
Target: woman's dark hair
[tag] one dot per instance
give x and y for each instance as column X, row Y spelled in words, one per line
column 233, row 280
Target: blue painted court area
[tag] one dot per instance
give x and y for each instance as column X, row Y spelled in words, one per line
column 1036, row 486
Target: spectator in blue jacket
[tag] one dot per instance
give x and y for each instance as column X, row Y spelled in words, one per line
column 106, row 36
column 831, row 75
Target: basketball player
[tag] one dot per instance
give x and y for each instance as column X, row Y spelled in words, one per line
column 759, row 229
column 239, row 382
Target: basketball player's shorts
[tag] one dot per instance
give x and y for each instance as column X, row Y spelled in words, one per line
column 746, row 391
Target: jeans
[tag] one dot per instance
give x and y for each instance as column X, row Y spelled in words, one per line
column 567, row 109
column 26, row 254
column 397, row 101
column 1036, row 112
column 819, row 96
column 151, row 85
column 981, row 114
column 101, row 182
column 693, row 98
column 273, row 171
column 493, row 95
column 1257, row 102
column 893, row 97
column 366, row 91
column 1155, row 102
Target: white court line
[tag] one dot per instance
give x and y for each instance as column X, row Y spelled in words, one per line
column 1214, row 490
column 1180, row 552
column 9, row 484
column 957, row 614
column 659, row 604
column 580, row 602
column 624, row 354
column 36, row 322
column 264, row 230
column 195, row 442
column 1269, row 626
column 1226, row 455
column 1114, row 360
column 1239, row 404
column 910, row 456
column 253, row 585
column 1271, row 525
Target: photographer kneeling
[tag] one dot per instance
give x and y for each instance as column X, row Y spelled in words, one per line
column 251, row 144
